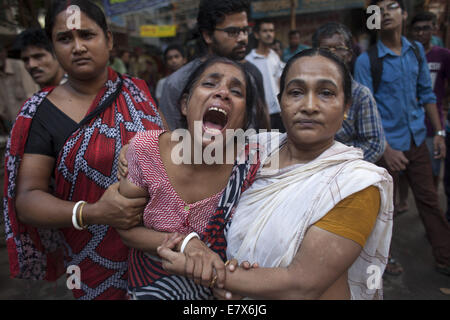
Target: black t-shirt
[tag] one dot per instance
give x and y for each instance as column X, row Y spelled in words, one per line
column 49, row 130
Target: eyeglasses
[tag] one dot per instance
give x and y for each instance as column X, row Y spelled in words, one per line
column 340, row 49
column 423, row 28
column 234, row 32
column 391, row 7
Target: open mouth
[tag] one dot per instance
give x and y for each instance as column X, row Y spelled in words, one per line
column 215, row 120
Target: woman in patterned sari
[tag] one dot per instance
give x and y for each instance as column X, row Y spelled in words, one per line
column 61, row 200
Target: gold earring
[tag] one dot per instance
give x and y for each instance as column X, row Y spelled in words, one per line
column 345, row 116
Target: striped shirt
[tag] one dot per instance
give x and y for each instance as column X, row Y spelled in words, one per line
column 165, row 212
column 363, row 128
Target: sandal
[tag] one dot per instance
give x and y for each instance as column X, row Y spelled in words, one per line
column 442, row 268
column 393, row 268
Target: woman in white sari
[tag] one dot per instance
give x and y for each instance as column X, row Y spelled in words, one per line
column 319, row 225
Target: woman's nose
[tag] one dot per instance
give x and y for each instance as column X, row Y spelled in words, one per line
column 309, row 103
column 222, row 93
column 79, row 46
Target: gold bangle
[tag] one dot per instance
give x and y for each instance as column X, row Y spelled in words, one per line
column 227, row 263
column 81, row 216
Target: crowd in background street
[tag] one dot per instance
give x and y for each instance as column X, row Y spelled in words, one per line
column 396, row 116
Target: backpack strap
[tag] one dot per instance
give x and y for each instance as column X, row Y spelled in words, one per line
column 376, row 67
column 417, row 53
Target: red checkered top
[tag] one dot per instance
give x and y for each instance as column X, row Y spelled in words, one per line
column 165, row 211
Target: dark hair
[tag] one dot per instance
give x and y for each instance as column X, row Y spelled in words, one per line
column 258, row 24
column 345, row 73
column 400, row 2
column 87, row 7
column 251, row 99
column 424, row 16
column 213, row 12
column 33, row 37
column 330, row 29
column 279, row 42
column 174, row 46
column 292, row 32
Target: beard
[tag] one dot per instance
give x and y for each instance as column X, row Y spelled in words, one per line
column 238, row 53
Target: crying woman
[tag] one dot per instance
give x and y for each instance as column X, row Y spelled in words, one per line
column 184, row 196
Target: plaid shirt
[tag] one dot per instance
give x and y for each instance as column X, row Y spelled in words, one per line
column 363, row 128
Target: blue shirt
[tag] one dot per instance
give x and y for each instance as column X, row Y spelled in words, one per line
column 402, row 85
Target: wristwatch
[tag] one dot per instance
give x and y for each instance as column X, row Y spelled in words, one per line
column 440, row 133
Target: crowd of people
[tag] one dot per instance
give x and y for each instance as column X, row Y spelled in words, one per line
column 91, row 181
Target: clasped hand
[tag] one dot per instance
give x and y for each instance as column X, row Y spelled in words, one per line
column 199, row 263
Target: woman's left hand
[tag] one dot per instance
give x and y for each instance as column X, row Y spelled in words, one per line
column 223, row 294
column 172, row 261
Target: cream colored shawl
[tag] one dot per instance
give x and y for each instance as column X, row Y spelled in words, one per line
column 271, row 219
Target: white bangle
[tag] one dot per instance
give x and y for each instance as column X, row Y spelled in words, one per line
column 187, row 239
column 74, row 215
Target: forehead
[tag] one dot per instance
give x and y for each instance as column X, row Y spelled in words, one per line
column 238, row 19
column 267, row 25
column 423, row 23
column 225, row 70
column 313, row 69
column 385, row 3
column 62, row 19
column 33, row 50
column 173, row 52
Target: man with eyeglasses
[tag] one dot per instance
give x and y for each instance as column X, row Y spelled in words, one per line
column 402, row 91
column 362, row 126
column 422, row 27
column 223, row 25
column 271, row 67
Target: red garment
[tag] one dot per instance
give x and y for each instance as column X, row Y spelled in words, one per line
column 86, row 166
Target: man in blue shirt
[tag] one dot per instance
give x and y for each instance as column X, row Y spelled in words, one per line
column 405, row 80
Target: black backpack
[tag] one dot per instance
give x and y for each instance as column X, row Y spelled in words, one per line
column 376, row 64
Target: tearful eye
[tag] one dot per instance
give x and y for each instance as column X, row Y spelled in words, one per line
column 208, row 84
column 237, row 92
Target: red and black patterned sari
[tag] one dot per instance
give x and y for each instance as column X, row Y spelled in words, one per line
column 86, row 166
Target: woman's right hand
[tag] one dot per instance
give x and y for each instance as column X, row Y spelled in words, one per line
column 115, row 210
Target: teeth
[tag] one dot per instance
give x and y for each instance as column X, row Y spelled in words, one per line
column 219, row 110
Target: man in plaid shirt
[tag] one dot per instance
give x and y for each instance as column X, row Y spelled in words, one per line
column 362, row 127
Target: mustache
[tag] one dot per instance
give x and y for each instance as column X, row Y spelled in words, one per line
column 34, row 70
